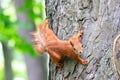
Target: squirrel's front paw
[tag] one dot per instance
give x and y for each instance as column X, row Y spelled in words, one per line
column 84, row 62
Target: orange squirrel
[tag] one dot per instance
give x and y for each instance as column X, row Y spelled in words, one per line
column 46, row 41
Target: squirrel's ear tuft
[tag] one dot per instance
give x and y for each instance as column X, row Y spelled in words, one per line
column 80, row 33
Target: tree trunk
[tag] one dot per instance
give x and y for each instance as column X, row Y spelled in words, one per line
column 36, row 67
column 7, row 55
column 7, row 62
column 100, row 20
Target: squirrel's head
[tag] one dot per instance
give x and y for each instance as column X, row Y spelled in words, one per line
column 76, row 42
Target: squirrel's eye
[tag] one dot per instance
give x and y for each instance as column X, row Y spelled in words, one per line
column 74, row 48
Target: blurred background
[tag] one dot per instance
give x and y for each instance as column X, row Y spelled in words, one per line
column 18, row 60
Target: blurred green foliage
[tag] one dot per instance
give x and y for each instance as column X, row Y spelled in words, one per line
column 35, row 10
column 2, row 72
column 8, row 28
column 19, row 70
column 8, row 31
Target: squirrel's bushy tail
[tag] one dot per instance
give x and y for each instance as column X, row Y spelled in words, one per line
column 39, row 39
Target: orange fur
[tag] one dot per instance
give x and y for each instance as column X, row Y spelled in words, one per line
column 46, row 40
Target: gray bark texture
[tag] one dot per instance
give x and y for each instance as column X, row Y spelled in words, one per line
column 100, row 20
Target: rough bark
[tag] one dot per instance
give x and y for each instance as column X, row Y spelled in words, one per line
column 100, row 20
column 36, row 67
